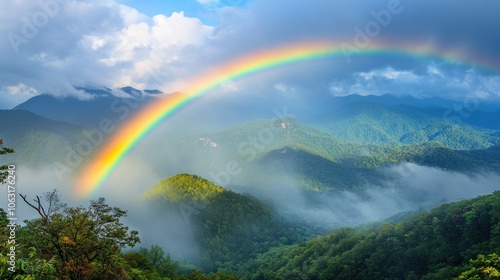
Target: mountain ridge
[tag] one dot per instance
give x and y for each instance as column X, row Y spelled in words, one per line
column 102, row 104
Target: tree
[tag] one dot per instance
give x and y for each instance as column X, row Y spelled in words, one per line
column 484, row 267
column 85, row 241
column 4, row 172
column 165, row 266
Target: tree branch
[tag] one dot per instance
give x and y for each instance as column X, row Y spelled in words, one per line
column 39, row 209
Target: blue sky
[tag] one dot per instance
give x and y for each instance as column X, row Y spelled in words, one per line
column 166, row 7
column 53, row 46
column 191, row 8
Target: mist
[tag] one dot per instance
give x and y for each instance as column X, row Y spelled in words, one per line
column 408, row 187
column 156, row 224
column 196, row 141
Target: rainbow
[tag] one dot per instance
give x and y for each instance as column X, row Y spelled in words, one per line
column 132, row 132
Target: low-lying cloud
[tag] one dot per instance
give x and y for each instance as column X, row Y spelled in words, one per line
column 411, row 187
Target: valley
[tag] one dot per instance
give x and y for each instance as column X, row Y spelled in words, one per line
column 288, row 196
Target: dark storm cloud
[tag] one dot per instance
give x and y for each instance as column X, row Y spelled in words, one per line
column 468, row 24
column 465, row 32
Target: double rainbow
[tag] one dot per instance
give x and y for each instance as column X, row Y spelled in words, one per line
column 132, row 132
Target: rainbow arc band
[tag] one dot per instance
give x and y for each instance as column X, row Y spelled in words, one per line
column 93, row 176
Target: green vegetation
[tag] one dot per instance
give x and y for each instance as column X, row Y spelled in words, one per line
column 230, row 227
column 184, row 187
column 318, row 160
column 431, row 245
column 4, row 172
column 343, row 155
column 369, row 123
column 484, row 267
column 239, row 234
column 83, row 243
column 38, row 140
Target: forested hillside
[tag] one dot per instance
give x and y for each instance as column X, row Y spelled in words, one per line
column 240, row 234
column 37, row 140
column 372, row 123
column 318, row 160
column 231, row 228
column 432, row 245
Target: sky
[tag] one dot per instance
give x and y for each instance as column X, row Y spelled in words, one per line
column 56, row 46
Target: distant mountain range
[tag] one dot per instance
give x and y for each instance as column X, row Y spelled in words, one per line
column 117, row 103
column 36, row 140
column 339, row 146
column 379, row 124
column 286, row 149
column 104, row 103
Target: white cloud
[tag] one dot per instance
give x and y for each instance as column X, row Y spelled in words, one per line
column 96, row 43
column 155, row 48
column 22, row 90
column 106, row 43
column 178, row 30
column 389, row 74
column 12, row 95
column 436, row 80
column 337, row 90
column 284, row 88
column 433, row 70
column 131, row 15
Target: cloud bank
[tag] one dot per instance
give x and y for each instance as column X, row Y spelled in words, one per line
column 54, row 45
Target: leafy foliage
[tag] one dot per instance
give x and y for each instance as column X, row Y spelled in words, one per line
column 4, row 168
column 85, row 242
column 483, row 267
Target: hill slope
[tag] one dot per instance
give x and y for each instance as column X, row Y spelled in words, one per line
column 431, row 245
column 287, row 148
column 37, row 141
column 371, row 123
column 230, row 227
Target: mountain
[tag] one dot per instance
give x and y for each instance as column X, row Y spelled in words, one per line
column 245, row 107
column 102, row 104
column 286, row 149
column 118, row 104
column 183, row 188
column 431, row 245
column 272, row 148
column 230, row 227
column 467, row 105
column 278, row 149
column 37, row 141
column 340, row 151
column 373, row 123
